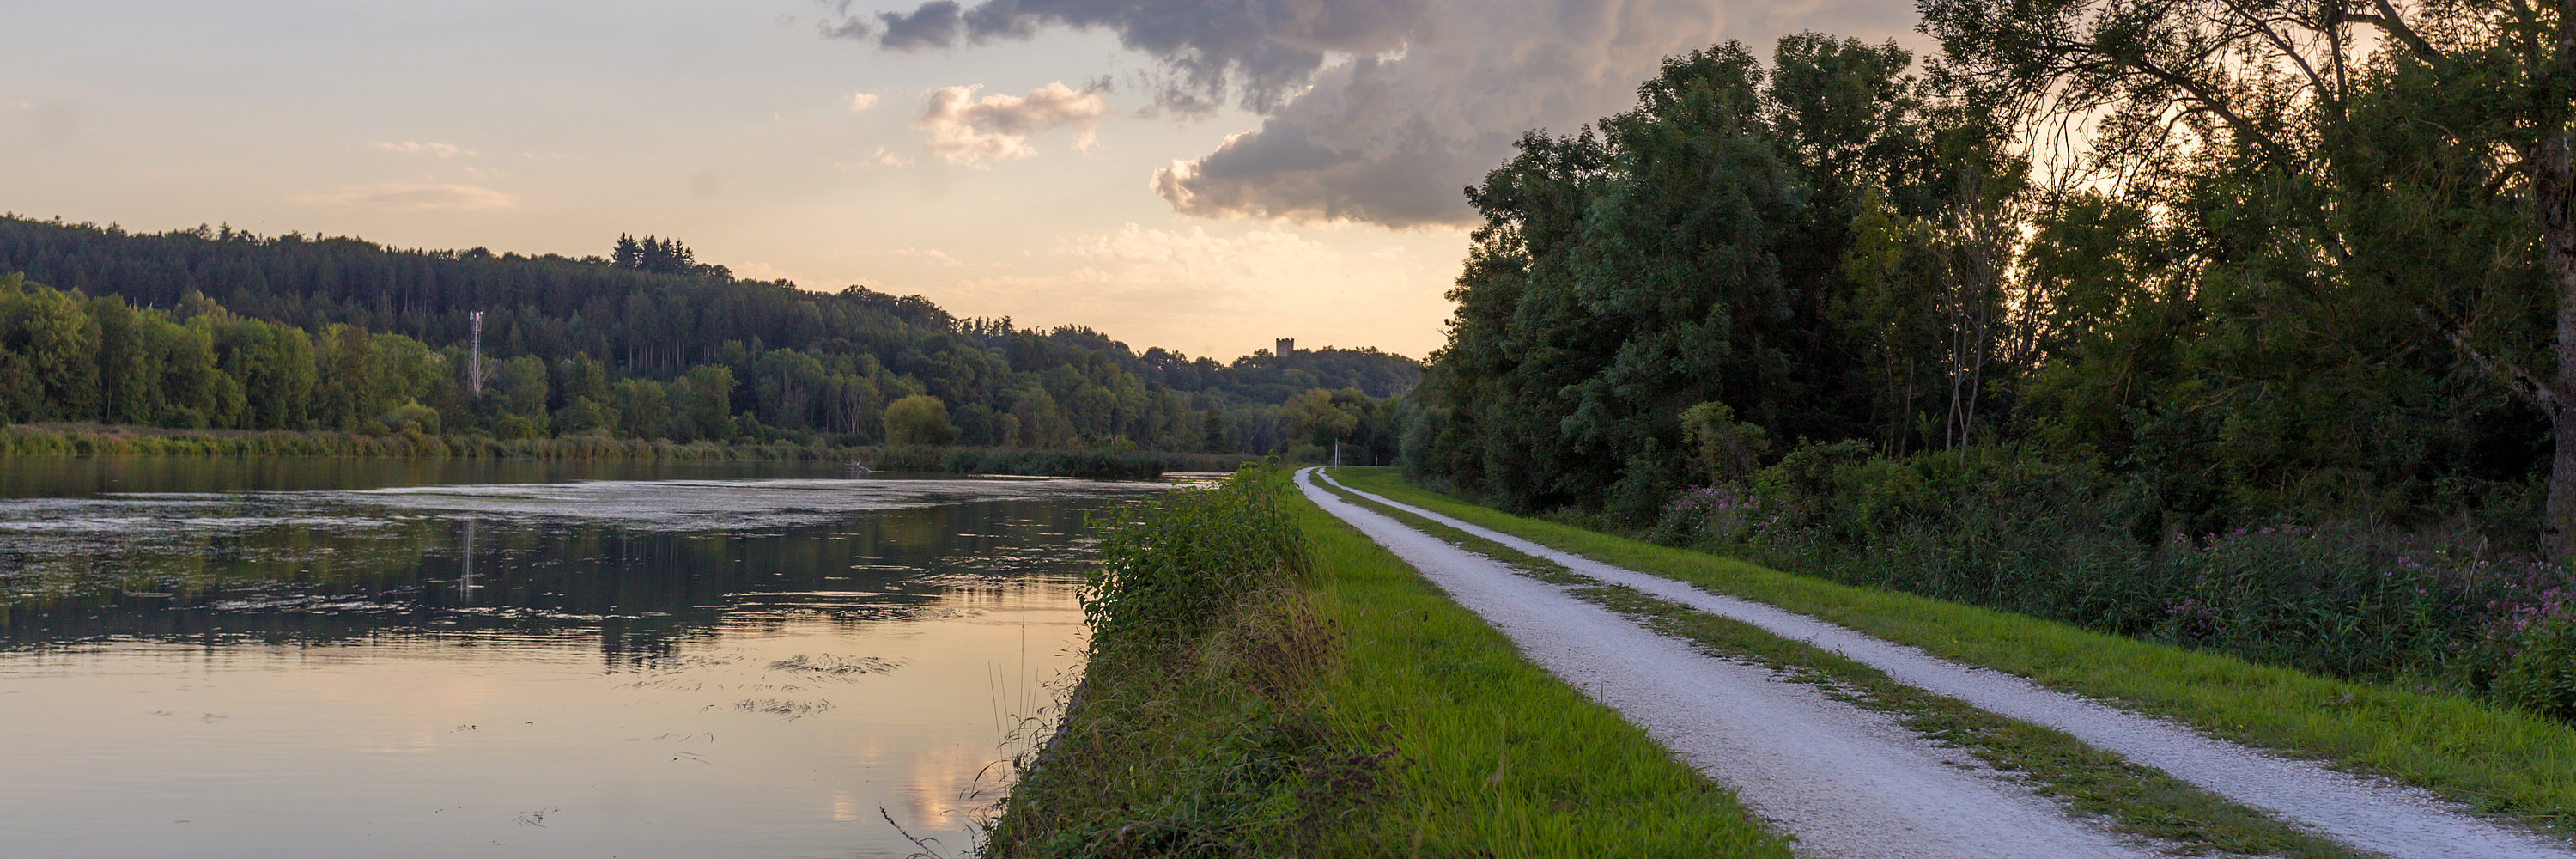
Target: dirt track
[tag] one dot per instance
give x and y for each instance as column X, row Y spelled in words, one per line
column 1848, row 782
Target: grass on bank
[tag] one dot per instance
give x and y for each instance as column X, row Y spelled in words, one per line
column 2130, row 798
column 2494, row 759
column 1334, row 704
column 105, row 440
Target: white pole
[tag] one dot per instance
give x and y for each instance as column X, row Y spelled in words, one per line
column 474, row 366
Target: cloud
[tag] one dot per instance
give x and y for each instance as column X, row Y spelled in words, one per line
column 410, row 197
column 966, row 130
column 1383, row 110
column 929, row 256
column 862, row 101
column 885, row 158
column 417, row 147
column 935, row 24
column 1260, row 50
column 758, row 270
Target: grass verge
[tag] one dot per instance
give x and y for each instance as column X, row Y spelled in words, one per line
column 1340, row 705
column 2133, row 799
column 2496, row 760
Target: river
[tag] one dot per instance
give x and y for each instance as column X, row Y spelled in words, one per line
column 386, row 658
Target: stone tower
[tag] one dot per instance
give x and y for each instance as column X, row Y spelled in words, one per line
column 1287, row 346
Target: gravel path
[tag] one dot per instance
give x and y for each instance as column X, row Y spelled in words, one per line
column 2400, row 821
column 1847, row 782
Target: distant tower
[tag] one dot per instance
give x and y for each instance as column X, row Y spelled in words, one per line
column 1287, row 347
column 474, row 366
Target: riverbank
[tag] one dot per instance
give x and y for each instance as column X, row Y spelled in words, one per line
column 1266, row 681
column 28, row 440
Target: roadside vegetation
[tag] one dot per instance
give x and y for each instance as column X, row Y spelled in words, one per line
column 1265, row 681
column 2493, row 758
column 2131, row 798
column 2104, row 315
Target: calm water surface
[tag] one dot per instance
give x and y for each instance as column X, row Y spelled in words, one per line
column 366, row 658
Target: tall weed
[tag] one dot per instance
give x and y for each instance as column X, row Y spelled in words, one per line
column 1172, row 565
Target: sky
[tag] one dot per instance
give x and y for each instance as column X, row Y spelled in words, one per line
column 1201, row 175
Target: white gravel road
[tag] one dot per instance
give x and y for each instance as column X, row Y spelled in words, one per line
column 1850, row 783
column 1847, row 782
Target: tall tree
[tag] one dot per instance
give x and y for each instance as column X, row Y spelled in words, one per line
column 2417, row 156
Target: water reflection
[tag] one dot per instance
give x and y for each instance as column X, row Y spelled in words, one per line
column 640, row 564
column 313, row 661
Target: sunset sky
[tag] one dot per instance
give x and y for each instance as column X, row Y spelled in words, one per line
column 1197, row 175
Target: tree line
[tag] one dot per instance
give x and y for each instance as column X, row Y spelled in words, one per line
column 2241, row 324
column 221, row 329
column 1835, row 247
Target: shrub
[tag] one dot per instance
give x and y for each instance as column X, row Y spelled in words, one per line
column 920, row 419
column 2065, row 542
column 1172, row 564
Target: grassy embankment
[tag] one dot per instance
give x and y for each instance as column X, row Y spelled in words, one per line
column 2492, row 758
column 99, row 440
column 1265, row 681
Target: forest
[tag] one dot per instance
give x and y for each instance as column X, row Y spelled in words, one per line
column 2237, row 325
column 220, row 329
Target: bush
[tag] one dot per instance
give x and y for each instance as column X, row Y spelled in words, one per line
column 1172, row 564
column 920, row 419
column 1197, row 730
column 2065, row 542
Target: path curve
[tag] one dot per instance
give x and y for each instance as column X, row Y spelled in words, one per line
column 2397, row 820
column 1845, row 781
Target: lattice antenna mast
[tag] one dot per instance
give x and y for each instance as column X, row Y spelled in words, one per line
column 474, row 363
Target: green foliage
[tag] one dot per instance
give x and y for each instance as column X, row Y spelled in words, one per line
column 1352, row 712
column 412, row 417
column 2489, row 757
column 2536, row 647
column 2257, row 369
column 1313, row 417
column 919, row 419
column 1179, row 561
column 1723, row 449
column 805, row 366
column 1692, row 251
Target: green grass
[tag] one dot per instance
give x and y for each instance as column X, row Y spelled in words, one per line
column 1355, row 711
column 83, row 440
column 2130, row 798
column 2496, row 760
column 1500, row 758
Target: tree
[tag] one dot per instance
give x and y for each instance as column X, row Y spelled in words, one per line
column 919, row 419
column 522, row 393
column 702, row 403
column 1313, row 418
column 1693, row 249
column 2415, row 160
column 125, row 367
column 643, row 409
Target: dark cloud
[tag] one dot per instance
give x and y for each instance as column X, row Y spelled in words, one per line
column 934, row 25
column 1260, row 52
column 1382, row 110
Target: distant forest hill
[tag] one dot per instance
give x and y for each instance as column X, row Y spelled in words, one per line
column 225, row 329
